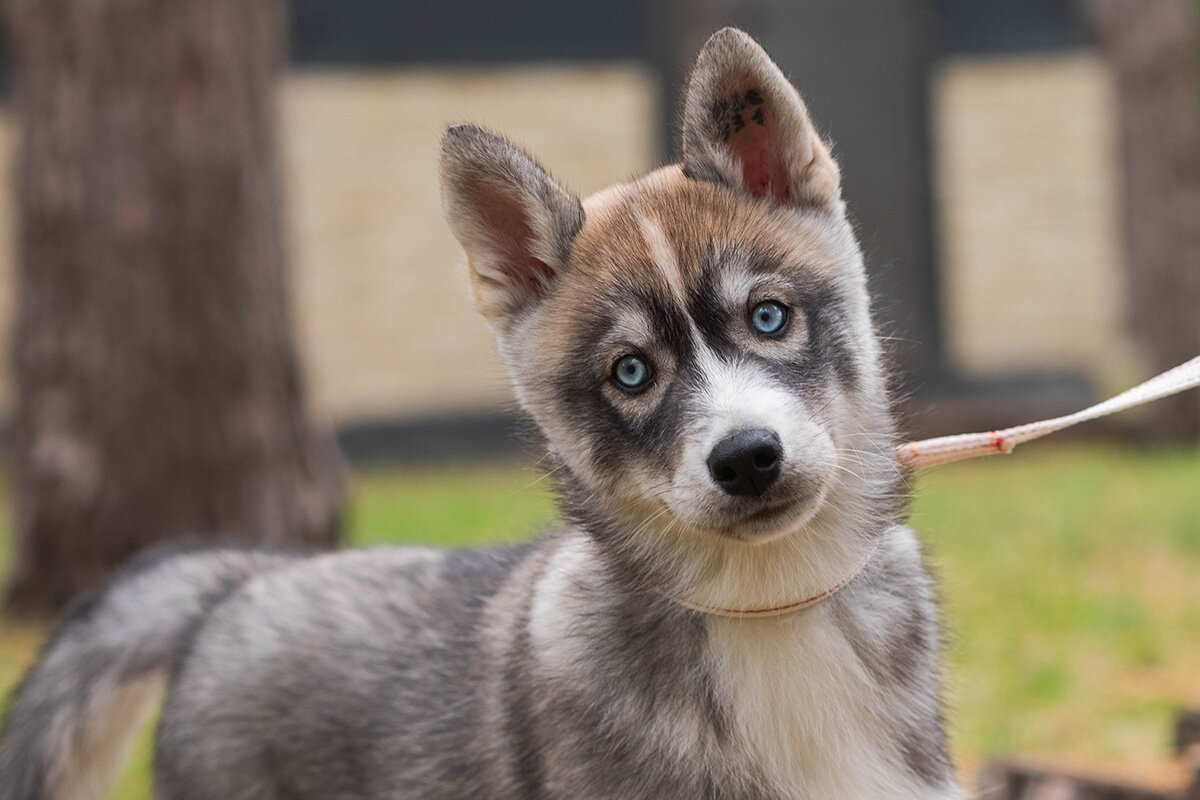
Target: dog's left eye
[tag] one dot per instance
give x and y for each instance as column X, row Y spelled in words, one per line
column 631, row 373
column 769, row 318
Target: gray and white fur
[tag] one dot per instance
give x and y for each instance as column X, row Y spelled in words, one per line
column 696, row 348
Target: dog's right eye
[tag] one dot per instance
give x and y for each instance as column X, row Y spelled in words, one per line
column 769, row 319
column 631, row 373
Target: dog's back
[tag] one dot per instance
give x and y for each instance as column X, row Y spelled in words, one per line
column 349, row 675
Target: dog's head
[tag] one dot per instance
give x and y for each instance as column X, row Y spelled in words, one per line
column 696, row 344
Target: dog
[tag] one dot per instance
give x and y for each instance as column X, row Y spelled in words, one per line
column 732, row 610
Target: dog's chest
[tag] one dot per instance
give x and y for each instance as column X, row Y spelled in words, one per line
column 805, row 712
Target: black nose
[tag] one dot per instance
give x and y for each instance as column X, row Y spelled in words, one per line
column 746, row 462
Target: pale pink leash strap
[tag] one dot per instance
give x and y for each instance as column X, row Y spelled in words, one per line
column 944, row 449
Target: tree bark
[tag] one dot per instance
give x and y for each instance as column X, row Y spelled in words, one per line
column 158, row 394
column 1153, row 48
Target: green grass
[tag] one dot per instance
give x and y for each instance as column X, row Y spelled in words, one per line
column 1070, row 581
column 449, row 507
column 1071, row 585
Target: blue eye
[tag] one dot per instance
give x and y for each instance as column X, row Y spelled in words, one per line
column 769, row 318
column 631, row 373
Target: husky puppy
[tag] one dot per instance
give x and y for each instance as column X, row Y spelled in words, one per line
column 732, row 611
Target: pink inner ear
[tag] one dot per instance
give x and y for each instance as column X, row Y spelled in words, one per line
column 511, row 234
column 763, row 172
column 748, row 128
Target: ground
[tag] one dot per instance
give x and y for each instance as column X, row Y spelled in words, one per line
column 1070, row 583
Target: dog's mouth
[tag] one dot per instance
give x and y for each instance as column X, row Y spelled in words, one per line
column 774, row 516
column 770, row 513
column 765, row 523
column 779, row 511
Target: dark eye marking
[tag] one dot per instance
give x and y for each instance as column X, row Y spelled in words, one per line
column 632, row 374
column 770, row 319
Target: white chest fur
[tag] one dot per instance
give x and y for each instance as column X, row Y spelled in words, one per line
column 806, row 711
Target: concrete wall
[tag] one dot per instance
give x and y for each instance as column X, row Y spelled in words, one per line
column 1027, row 177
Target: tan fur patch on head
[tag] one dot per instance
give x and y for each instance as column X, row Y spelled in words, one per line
column 663, row 225
column 662, row 254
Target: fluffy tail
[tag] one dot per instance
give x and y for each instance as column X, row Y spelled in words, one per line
column 79, row 709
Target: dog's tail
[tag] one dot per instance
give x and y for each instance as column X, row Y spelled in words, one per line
column 79, row 708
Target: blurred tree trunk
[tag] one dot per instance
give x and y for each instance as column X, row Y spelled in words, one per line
column 158, row 390
column 1153, row 48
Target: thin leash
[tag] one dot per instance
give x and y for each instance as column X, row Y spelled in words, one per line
column 946, row 449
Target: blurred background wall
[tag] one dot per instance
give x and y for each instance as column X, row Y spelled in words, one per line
column 978, row 139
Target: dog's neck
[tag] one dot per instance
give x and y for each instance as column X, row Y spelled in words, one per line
column 799, row 603
column 718, row 575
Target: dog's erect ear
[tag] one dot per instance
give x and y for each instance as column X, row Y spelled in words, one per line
column 514, row 221
column 744, row 125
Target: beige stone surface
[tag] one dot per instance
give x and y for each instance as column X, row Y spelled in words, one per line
column 384, row 313
column 1027, row 176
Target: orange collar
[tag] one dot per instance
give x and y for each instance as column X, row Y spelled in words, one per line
column 784, row 608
